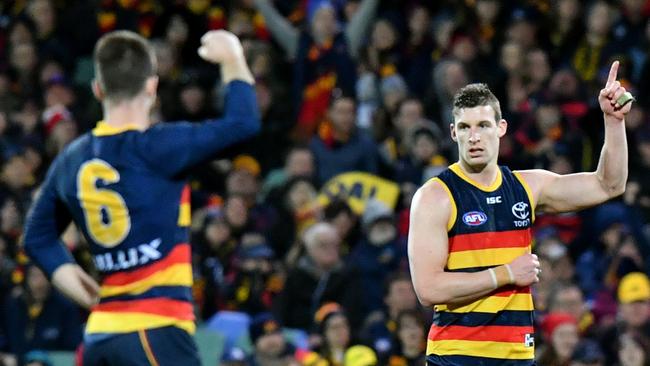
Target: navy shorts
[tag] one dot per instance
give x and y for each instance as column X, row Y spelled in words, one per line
column 152, row 347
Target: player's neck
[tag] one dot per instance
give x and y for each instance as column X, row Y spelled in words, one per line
column 484, row 174
column 129, row 113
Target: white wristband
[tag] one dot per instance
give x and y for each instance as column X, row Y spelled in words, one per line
column 494, row 278
column 510, row 274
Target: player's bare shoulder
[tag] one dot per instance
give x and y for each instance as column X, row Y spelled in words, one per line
column 432, row 200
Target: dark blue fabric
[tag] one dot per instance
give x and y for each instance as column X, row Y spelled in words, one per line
column 169, row 346
column 150, row 165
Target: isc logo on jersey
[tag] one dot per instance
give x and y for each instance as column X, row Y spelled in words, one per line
column 474, row 218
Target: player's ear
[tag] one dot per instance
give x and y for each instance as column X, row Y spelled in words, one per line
column 97, row 90
column 452, row 130
column 151, row 85
column 502, row 127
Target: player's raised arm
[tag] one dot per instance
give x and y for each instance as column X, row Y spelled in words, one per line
column 428, row 251
column 172, row 148
column 560, row 193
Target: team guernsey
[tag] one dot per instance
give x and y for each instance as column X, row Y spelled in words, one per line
column 126, row 190
column 489, row 226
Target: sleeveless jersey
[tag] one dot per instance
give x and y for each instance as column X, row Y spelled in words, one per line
column 489, row 226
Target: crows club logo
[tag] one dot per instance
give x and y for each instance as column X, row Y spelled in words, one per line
column 474, row 218
column 520, row 210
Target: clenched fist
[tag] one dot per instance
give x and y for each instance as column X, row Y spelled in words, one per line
column 220, row 46
column 525, row 269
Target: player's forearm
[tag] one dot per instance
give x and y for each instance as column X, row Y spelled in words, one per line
column 68, row 280
column 612, row 166
column 457, row 288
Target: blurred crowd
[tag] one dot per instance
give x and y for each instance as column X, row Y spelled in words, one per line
column 297, row 261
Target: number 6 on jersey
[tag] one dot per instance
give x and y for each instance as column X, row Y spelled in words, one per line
column 105, row 212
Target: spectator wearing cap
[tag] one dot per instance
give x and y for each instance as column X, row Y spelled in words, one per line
column 60, row 127
column 560, row 331
column 269, row 345
column 244, row 181
column 39, row 318
column 255, row 282
column 587, row 353
column 378, row 253
column 334, row 331
column 633, row 313
column 319, row 276
column 339, row 146
column 393, row 91
column 360, row 355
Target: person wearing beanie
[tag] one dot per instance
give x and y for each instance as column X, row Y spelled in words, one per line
column 269, row 344
column 378, row 253
column 334, row 330
column 560, row 331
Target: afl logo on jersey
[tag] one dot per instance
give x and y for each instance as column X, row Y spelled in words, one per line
column 474, row 218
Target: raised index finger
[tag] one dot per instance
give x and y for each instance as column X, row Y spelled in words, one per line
column 613, row 71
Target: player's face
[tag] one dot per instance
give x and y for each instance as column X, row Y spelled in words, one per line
column 477, row 134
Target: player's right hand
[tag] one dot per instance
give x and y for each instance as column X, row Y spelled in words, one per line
column 221, row 47
column 525, row 269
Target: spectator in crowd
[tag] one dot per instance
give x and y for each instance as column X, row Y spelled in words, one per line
column 319, row 276
column 542, row 60
column 340, row 146
column 410, row 334
column 334, row 330
column 37, row 317
column 380, row 326
column 587, row 353
column 269, row 345
column 322, row 54
column 634, row 314
column 560, row 337
column 378, row 254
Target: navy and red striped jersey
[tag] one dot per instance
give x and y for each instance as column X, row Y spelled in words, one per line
column 489, row 226
column 126, row 190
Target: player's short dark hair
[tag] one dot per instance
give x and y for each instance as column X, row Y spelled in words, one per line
column 475, row 95
column 123, row 62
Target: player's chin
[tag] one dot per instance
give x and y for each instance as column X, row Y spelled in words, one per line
column 476, row 159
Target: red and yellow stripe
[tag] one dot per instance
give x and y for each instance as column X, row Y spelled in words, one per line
column 490, row 240
column 122, row 316
column 489, row 333
column 185, row 209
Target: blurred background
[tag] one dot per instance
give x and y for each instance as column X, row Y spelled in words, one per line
column 299, row 235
